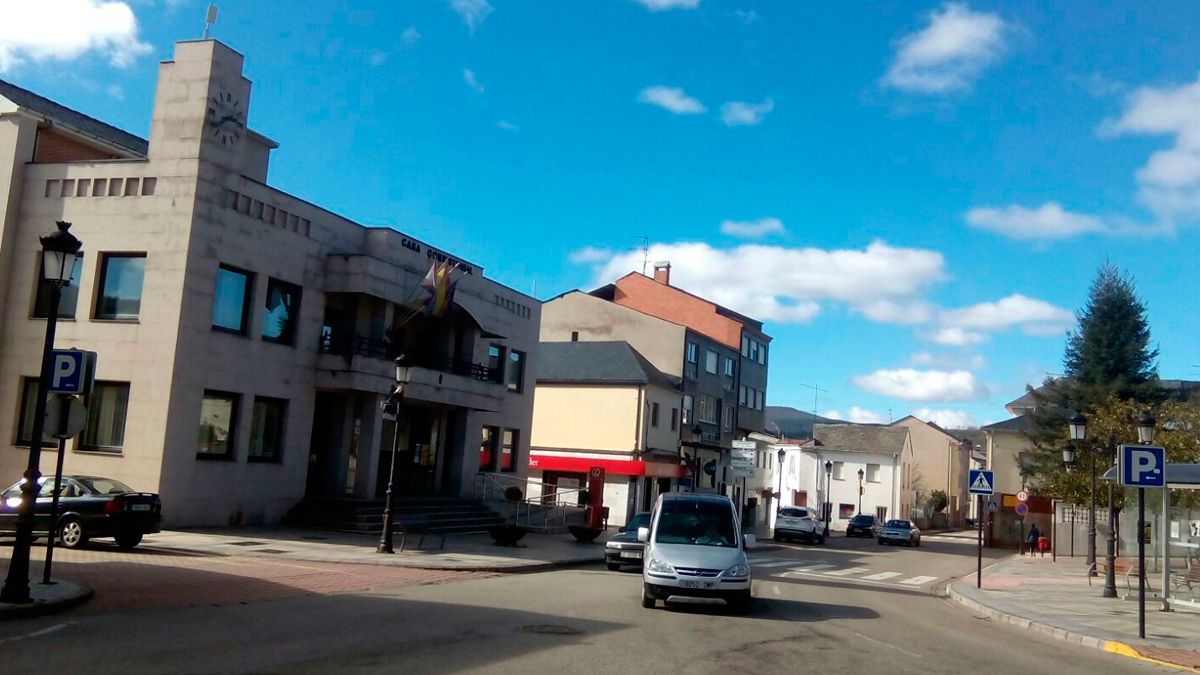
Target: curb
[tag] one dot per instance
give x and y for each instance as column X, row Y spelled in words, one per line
column 1072, row 637
column 43, row 607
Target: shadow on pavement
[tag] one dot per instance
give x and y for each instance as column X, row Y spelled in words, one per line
column 776, row 609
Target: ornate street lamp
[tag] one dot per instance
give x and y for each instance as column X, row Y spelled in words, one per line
column 782, row 455
column 1077, row 426
column 860, row 490
column 1145, row 427
column 391, row 406
column 1068, row 455
column 59, row 251
column 828, row 497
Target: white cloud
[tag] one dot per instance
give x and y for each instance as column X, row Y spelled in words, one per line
column 740, row 113
column 922, row 385
column 752, row 229
column 746, row 16
column 410, row 37
column 1035, row 317
column 946, row 418
column 471, row 80
column 1048, row 222
column 506, row 125
column 473, row 12
column 955, row 337
column 788, row 284
column 909, row 312
column 673, row 99
column 64, row 30
column 950, row 53
column 857, row 415
column 590, row 255
column 377, row 58
column 663, row 5
column 1169, row 182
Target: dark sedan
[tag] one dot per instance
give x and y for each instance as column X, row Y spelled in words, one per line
column 624, row 548
column 88, row 507
column 862, row 525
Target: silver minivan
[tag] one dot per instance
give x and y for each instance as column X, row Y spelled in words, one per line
column 695, row 548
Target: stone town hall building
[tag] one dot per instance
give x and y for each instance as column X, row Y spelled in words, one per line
column 244, row 335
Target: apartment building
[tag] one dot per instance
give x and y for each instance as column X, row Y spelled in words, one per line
column 245, row 336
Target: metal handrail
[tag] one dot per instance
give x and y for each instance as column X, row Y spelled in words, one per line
column 553, row 513
column 376, row 348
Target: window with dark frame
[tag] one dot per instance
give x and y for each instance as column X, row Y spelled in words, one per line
column 25, row 420
column 68, row 299
column 487, row 448
column 710, row 362
column 218, row 425
column 231, row 300
column 107, row 409
column 516, row 371
column 692, row 352
column 509, row 447
column 266, row 429
column 120, row 286
column 728, row 367
column 654, row 414
column 496, row 362
column 687, row 409
column 674, row 419
column 281, row 313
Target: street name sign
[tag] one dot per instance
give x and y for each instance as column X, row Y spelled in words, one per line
column 1142, row 466
column 980, row 482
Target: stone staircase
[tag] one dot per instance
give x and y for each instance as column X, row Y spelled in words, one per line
column 448, row 514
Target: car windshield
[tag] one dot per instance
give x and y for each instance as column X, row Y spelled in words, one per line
column 863, row 520
column 703, row 523
column 899, row 524
column 640, row 520
column 793, row 513
column 105, row 486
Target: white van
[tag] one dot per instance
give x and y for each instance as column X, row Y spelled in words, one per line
column 695, row 548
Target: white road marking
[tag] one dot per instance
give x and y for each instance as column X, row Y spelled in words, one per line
column 776, row 563
column 38, row 633
column 811, row 568
column 918, row 581
column 868, row 638
column 846, row 572
column 881, row 576
column 775, row 587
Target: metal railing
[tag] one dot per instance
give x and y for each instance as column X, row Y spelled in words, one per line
column 375, row 348
column 550, row 511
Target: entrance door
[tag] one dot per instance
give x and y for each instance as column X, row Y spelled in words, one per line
column 800, row 498
column 325, row 409
column 417, row 467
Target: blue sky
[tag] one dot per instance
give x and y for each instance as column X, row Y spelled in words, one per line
column 914, row 196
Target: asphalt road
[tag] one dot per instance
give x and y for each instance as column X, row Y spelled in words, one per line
column 824, row 620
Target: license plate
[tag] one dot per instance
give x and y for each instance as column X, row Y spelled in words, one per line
column 139, row 507
column 636, row 555
column 696, row 584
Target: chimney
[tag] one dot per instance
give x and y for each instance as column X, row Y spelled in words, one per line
column 662, row 273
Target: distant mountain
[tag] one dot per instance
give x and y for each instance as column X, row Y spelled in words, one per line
column 794, row 423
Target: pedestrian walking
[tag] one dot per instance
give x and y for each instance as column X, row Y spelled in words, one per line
column 1032, row 539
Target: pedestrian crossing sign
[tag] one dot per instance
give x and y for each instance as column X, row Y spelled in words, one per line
column 980, row 482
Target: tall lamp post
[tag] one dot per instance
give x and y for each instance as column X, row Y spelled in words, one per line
column 59, row 251
column 781, row 455
column 860, row 490
column 1145, row 429
column 1078, row 428
column 828, row 497
column 392, row 406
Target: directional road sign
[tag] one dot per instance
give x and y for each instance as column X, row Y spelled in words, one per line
column 1142, row 466
column 980, row 482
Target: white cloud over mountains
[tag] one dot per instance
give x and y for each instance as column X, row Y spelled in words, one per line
column 910, row 384
column 64, row 30
column 857, row 415
column 950, row 53
column 672, row 99
column 946, row 418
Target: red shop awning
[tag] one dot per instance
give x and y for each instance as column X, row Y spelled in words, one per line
column 620, row 467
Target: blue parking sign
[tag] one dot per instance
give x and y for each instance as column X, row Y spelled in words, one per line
column 1143, row 466
column 71, row 371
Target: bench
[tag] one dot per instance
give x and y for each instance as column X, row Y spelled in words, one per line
column 1189, row 579
column 418, row 525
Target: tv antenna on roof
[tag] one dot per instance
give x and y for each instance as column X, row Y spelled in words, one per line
column 816, row 391
column 645, row 252
column 209, row 19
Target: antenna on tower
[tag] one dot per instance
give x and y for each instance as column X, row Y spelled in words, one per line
column 816, row 391
column 209, row 19
column 645, row 252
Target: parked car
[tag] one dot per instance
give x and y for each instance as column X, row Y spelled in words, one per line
column 624, row 548
column 695, row 548
column 863, row 525
column 89, row 507
column 797, row 522
column 898, row 531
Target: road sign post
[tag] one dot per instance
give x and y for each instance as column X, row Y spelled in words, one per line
column 980, row 482
column 1142, row 466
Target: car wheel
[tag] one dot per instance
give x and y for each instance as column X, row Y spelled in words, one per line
column 613, row 567
column 648, row 601
column 742, row 602
column 881, row 541
column 820, row 539
column 71, row 533
column 776, row 538
column 128, row 540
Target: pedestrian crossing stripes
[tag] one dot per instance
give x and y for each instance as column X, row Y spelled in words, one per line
column 797, row 569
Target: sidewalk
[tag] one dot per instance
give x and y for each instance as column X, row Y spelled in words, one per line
column 1054, row 598
column 464, row 552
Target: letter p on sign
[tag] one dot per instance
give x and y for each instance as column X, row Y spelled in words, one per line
column 1143, row 466
column 71, row 371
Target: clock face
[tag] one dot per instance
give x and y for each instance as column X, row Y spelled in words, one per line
column 226, row 120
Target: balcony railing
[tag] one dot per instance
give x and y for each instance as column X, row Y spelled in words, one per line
column 361, row 345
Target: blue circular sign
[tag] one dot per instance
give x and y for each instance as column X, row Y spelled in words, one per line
column 1022, row 509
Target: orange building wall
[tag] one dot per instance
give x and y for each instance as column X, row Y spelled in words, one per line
column 657, row 299
column 52, row 148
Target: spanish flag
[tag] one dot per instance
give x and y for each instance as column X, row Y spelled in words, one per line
column 439, row 283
